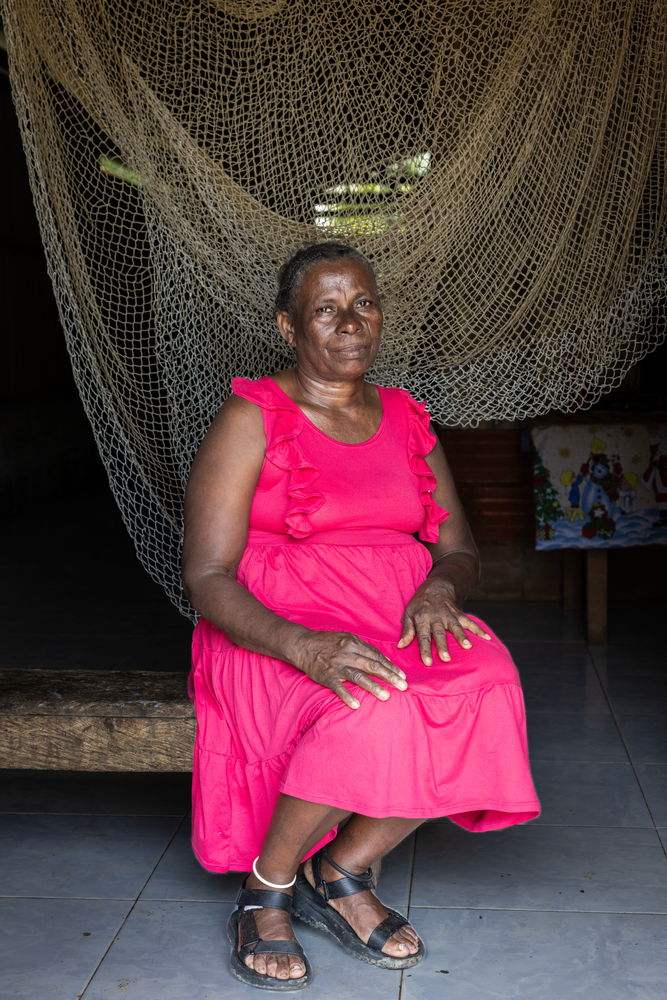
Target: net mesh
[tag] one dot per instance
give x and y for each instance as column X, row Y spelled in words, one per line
column 501, row 163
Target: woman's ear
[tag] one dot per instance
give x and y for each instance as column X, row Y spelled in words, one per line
column 285, row 327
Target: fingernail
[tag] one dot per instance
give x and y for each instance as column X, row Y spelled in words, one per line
column 445, row 656
column 428, row 661
column 466, row 644
column 401, row 685
column 355, row 704
column 384, row 695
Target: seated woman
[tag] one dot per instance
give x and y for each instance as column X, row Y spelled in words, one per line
column 335, row 676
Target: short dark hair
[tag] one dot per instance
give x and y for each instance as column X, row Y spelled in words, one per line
column 293, row 270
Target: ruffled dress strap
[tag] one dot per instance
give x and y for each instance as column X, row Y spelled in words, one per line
column 421, row 442
column 283, row 424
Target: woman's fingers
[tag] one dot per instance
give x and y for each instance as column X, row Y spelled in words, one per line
column 345, row 694
column 365, row 681
column 440, row 640
column 430, row 629
column 390, row 672
column 364, row 668
column 473, row 627
column 457, row 631
column 371, row 661
column 356, row 662
column 423, row 627
column 408, row 633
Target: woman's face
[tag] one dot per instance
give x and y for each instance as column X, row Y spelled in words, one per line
column 336, row 321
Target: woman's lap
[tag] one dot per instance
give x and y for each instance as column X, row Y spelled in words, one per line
column 452, row 744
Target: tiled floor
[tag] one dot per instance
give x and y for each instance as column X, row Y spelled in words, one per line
column 101, row 897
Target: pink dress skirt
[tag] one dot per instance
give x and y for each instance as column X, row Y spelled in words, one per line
column 332, row 546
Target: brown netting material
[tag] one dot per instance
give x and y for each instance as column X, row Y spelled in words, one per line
column 501, row 163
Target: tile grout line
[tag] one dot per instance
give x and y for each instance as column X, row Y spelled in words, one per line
column 543, row 909
column 114, row 938
column 617, row 723
column 114, row 815
column 413, row 861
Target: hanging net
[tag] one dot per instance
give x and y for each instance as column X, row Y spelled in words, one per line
column 501, row 163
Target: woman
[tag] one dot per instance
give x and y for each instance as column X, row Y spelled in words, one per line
column 335, row 676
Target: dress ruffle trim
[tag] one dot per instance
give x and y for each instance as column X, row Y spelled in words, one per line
column 421, row 441
column 283, row 451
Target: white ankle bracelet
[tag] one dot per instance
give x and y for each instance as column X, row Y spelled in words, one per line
column 271, row 885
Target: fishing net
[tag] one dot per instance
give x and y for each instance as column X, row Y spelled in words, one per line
column 500, row 162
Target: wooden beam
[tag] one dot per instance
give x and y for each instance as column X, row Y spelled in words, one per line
column 94, row 720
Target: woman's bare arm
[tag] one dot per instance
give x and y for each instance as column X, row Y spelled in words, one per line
column 434, row 609
column 217, row 507
column 455, row 554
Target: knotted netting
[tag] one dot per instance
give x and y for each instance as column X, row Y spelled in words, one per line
column 500, row 162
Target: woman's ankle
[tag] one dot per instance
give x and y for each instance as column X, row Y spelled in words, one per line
column 351, row 864
column 269, row 876
column 252, row 882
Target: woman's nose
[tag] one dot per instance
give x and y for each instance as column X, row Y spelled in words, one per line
column 348, row 321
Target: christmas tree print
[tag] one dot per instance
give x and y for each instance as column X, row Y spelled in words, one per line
column 547, row 507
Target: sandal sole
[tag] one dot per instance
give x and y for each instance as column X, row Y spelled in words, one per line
column 306, row 906
column 249, row 977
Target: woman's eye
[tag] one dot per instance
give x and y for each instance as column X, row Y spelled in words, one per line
column 322, row 309
column 364, row 302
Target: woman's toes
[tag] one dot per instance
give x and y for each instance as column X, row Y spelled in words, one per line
column 276, row 966
column 257, row 963
column 297, row 970
column 404, row 942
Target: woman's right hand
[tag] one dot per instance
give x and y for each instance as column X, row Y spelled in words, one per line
column 334, row 658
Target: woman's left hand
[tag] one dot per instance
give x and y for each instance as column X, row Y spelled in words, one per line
column 430, row 614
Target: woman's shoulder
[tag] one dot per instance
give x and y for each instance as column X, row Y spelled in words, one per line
column 236, row 416
column 264, row 392
column 404, row 399
column 252, row 389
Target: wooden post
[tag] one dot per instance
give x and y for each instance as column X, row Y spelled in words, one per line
column 571, row 580
column 596, row 596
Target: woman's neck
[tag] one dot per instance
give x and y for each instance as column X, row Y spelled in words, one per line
column 317, row 392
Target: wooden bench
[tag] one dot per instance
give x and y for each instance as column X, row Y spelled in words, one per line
column 95, row 720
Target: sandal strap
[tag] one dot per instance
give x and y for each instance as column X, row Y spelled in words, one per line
column 349, row 885
column 384, row 931
column 264, row 897
column 255, row 945
column 279, row 948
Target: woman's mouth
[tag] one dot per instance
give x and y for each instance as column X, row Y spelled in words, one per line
column 352, row 350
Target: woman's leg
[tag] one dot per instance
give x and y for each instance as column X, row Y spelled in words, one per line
column 361, row 842
column 298, row 825
column 295, row 827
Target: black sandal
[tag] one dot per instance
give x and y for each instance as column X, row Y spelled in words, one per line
column 311, row 906
column 242, row 921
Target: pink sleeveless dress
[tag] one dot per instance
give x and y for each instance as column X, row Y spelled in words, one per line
column 331, row 545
